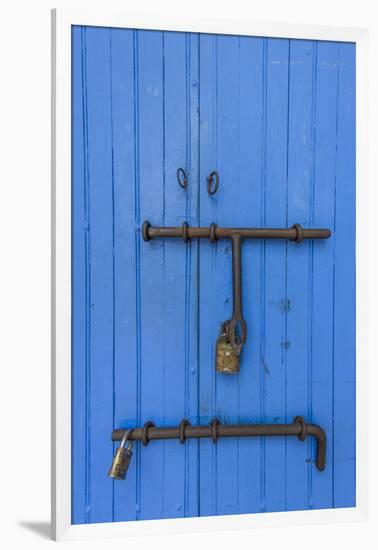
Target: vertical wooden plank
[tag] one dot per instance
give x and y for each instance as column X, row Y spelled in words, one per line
column 125, row 233
column 300, row 170
column 228, row 165
column 178, row 317
column 248, row 193
column 152, row 267
column 79, row 279
column 191, row 503
column 345, row 285
column 322, row 258
column 275, row 302
column 100, row 398
column 173, row 316
column 208, row 325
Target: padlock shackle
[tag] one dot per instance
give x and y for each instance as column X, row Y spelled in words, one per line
column 126, row 437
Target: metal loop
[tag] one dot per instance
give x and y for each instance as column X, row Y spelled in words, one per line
column 300, row 420
column 149, row 424
column 184, row 231
column 145, row 227
column 299, row 233
column 182, row 178
column 231, row 332
column 213, row 236
column 212, row 188
column 214, row 429
column 182, row 427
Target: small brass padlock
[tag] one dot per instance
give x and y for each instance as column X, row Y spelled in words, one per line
column 122, row 458
column 226, row 358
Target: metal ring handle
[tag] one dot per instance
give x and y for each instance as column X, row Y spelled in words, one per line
column 299, row 233
column 182, row 427
column 145, row 227
column 212, row 177
column 182, row 178
column 146, row 426
column 184, row 231
column 300, row 420
column 212, row 230
column 214, row 429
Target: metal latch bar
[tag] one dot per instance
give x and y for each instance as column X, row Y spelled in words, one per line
column 234, row 330
column 215, row 430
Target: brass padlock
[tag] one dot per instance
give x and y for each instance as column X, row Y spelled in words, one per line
column 122, row 458
column 226, row 358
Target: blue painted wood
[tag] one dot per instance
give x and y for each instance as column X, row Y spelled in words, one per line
column 150, row 181
column 276, row 118
column 227, row 163
column 344, row 393
column 125, row 239
column 322, row 282
column 101, row 272
column 274, row 299
column 208, row 328
column 251, row 120
column 301, row 125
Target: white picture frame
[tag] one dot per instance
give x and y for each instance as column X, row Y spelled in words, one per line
column 62, row 21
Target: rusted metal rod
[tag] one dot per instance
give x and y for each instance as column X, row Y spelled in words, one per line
column 214, row 232
column 216, row 430
column 236, row 327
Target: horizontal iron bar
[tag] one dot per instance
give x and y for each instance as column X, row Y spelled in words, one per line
column 299, row 428
column 186, row 232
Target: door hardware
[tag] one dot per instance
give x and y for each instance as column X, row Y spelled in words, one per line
column 234, row 330
column 182, row 178
column 212, row 182
column 215, row 430
column 226, row 358
column 122, row 458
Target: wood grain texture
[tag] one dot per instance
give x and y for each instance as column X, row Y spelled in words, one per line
column 276, row 119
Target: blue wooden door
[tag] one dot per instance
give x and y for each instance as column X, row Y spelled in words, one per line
column 276, row 119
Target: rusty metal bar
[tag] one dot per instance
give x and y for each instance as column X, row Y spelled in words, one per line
column 216, row 430
column 214, row 232
column 236, row 327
